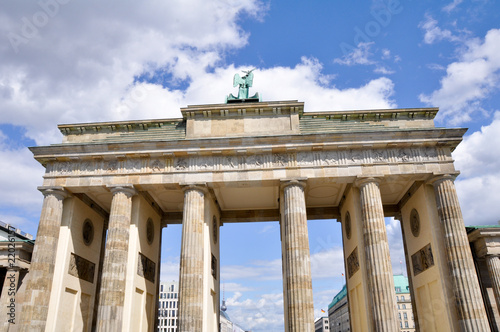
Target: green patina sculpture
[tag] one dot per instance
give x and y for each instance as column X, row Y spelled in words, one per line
column 244, row 83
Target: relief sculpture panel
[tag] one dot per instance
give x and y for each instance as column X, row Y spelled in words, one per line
column 327, row 158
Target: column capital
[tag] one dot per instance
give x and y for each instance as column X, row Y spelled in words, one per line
column 127, row 189
column 492, row 256
column 202, row 187
column 438, row 178
column 56, row 191
column 361, row 181
column 293, row 182
column 398, row 216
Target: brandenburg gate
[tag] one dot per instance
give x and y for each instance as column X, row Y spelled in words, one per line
column 110, row 188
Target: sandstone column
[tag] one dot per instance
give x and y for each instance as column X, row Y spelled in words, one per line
column 191, row 267
column 493, row 263
column 468, row 299
column 296, row 259
column 378, row 262
column 9, row 308
column 112, row 294
column 39, row 281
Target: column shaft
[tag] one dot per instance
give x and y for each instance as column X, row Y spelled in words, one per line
column 39, row 281
column 191, row 265
column 296, row 260
column 468, row 298
column 9, row 308
column 378, row 262
column 112, row 294
column 493, row 263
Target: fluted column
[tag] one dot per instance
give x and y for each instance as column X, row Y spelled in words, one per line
column 191, row 266
column 468, row 299
column 112, row 294
column 378, row 261
column 39, row 282
column 8, row 303
column 296, row 259
column 493, row 263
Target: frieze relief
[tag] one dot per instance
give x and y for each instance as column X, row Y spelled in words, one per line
column 81, row 268
column 325, row 158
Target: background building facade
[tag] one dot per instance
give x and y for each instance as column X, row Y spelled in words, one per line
column 321, row 324
column 16, row 248
column 403, row 300
column 338, row 310
column 168, row 306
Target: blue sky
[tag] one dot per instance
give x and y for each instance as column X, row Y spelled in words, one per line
column 64, row 61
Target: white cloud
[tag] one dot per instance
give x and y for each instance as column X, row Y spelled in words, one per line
column 169, row 270
column 395, row 239
column 358, row 56
column 20, row 175
column 361, row 55
column 450, row 7
column 82, row 62
column 435, row 66
column 235, row 287
column 433, row 33
column 255, row 270
column 264, row 313
column 304, row 82
column 468, row 81
column 477, row 158
column 383, row 70
column 322, row 300
column 327, row 263
column 386, row 54
column 479, row 199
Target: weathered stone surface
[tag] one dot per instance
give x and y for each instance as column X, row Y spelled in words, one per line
column 191, row 267
column 242, row 153
column 379, row 268
column 296, row 260
column 112, row 295
column 10, row 283
column 468, row 298
column 39, row 284
column 493, row 263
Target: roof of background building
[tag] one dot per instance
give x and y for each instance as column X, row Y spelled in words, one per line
column 226, row 316
column 13, row 231
column 340, row 295
column 400, row 283
column 470, row 229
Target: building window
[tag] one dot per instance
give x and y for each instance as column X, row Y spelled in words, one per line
column 402, row 297
column 405, row 315
column 404, row 306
